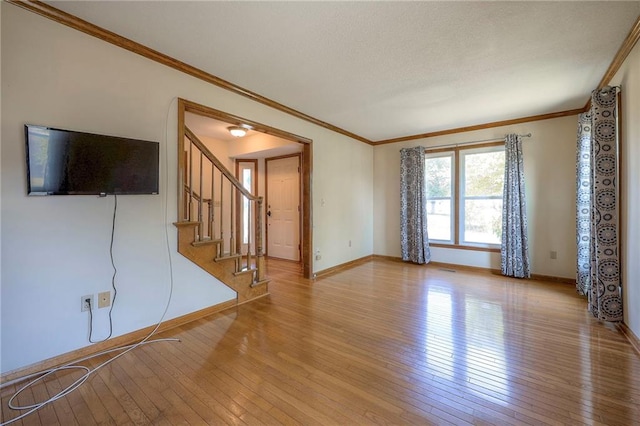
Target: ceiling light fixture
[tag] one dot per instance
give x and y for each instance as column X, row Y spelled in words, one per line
column 237, row 131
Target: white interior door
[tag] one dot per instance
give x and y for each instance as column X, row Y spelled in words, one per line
column 283, row 208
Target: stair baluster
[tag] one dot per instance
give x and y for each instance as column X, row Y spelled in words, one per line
column 200, row 203
column 249, row 240
column 190, row 171
column 204, row 223
column 232, row 243
column 212, row 204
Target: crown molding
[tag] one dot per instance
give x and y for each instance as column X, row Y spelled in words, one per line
column 627, row 46
column 76, row 23
column 482, row 126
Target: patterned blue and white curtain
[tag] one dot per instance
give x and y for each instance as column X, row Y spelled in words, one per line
column 598, row 264
column 514, row 251
column 414, row 239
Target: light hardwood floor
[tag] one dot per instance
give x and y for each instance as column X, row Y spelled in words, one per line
column 380, row 343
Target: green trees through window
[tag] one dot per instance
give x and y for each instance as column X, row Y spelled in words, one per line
column 439, row 185
column 476, row 176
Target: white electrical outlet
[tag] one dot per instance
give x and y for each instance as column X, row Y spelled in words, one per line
column 84, row 305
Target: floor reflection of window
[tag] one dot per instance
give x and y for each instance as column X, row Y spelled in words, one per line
column 465, row 343
column 587, row 364
column 439, row 342
column 485, row 354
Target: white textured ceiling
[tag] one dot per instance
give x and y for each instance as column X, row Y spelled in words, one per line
column 388, row 69
column 210, row 127
column 216, row 129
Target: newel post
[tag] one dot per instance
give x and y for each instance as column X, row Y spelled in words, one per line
column 259, row 252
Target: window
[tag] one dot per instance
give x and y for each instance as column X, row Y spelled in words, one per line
column 464, row 192
column 246, row 172
column 439, row 172
column 247, row 175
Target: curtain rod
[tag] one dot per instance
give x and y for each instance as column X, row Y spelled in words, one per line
column 453, row 145
column 603, row 89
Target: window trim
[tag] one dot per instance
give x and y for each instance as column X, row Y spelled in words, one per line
column 452, row 197
column 456, row 196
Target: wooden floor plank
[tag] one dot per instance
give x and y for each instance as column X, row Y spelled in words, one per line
column 380, row 343
column 165, row 365
column 62, row 408
column 81, row 410
column 6, row 413
column 134, row 408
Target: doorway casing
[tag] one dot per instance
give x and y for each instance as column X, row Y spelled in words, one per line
column 185, row 106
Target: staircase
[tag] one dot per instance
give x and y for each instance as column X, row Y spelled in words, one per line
column 208, row 227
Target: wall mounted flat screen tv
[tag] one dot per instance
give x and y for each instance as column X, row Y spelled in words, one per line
column 66, row 162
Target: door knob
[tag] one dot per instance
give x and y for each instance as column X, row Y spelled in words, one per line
column 269, row 213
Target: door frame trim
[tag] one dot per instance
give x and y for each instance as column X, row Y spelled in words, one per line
column 306, row 165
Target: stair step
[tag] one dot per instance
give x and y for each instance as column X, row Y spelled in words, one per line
column 245, row 271
column 210, row 257
column 227, row 256
column 186, row 224
column 205, row 242
column 259, row 283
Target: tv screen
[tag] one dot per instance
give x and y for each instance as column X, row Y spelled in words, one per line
column 65, row 162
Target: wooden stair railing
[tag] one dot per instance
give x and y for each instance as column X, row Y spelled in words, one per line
column 209, row 197
column 191, row 197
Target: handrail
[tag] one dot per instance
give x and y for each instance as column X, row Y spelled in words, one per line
column 195, row 195
column 197, row 144
column 194, row 139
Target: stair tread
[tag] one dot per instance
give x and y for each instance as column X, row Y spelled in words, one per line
column 263, row 282
column 227, row 256
column 185, row 223
column 206, row 242
column 210, row 258
column 245, row 271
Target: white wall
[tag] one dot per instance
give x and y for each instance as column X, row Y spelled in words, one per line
column 549, row 161
column 55, row 249
column 341, row 211
column 628, row 77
